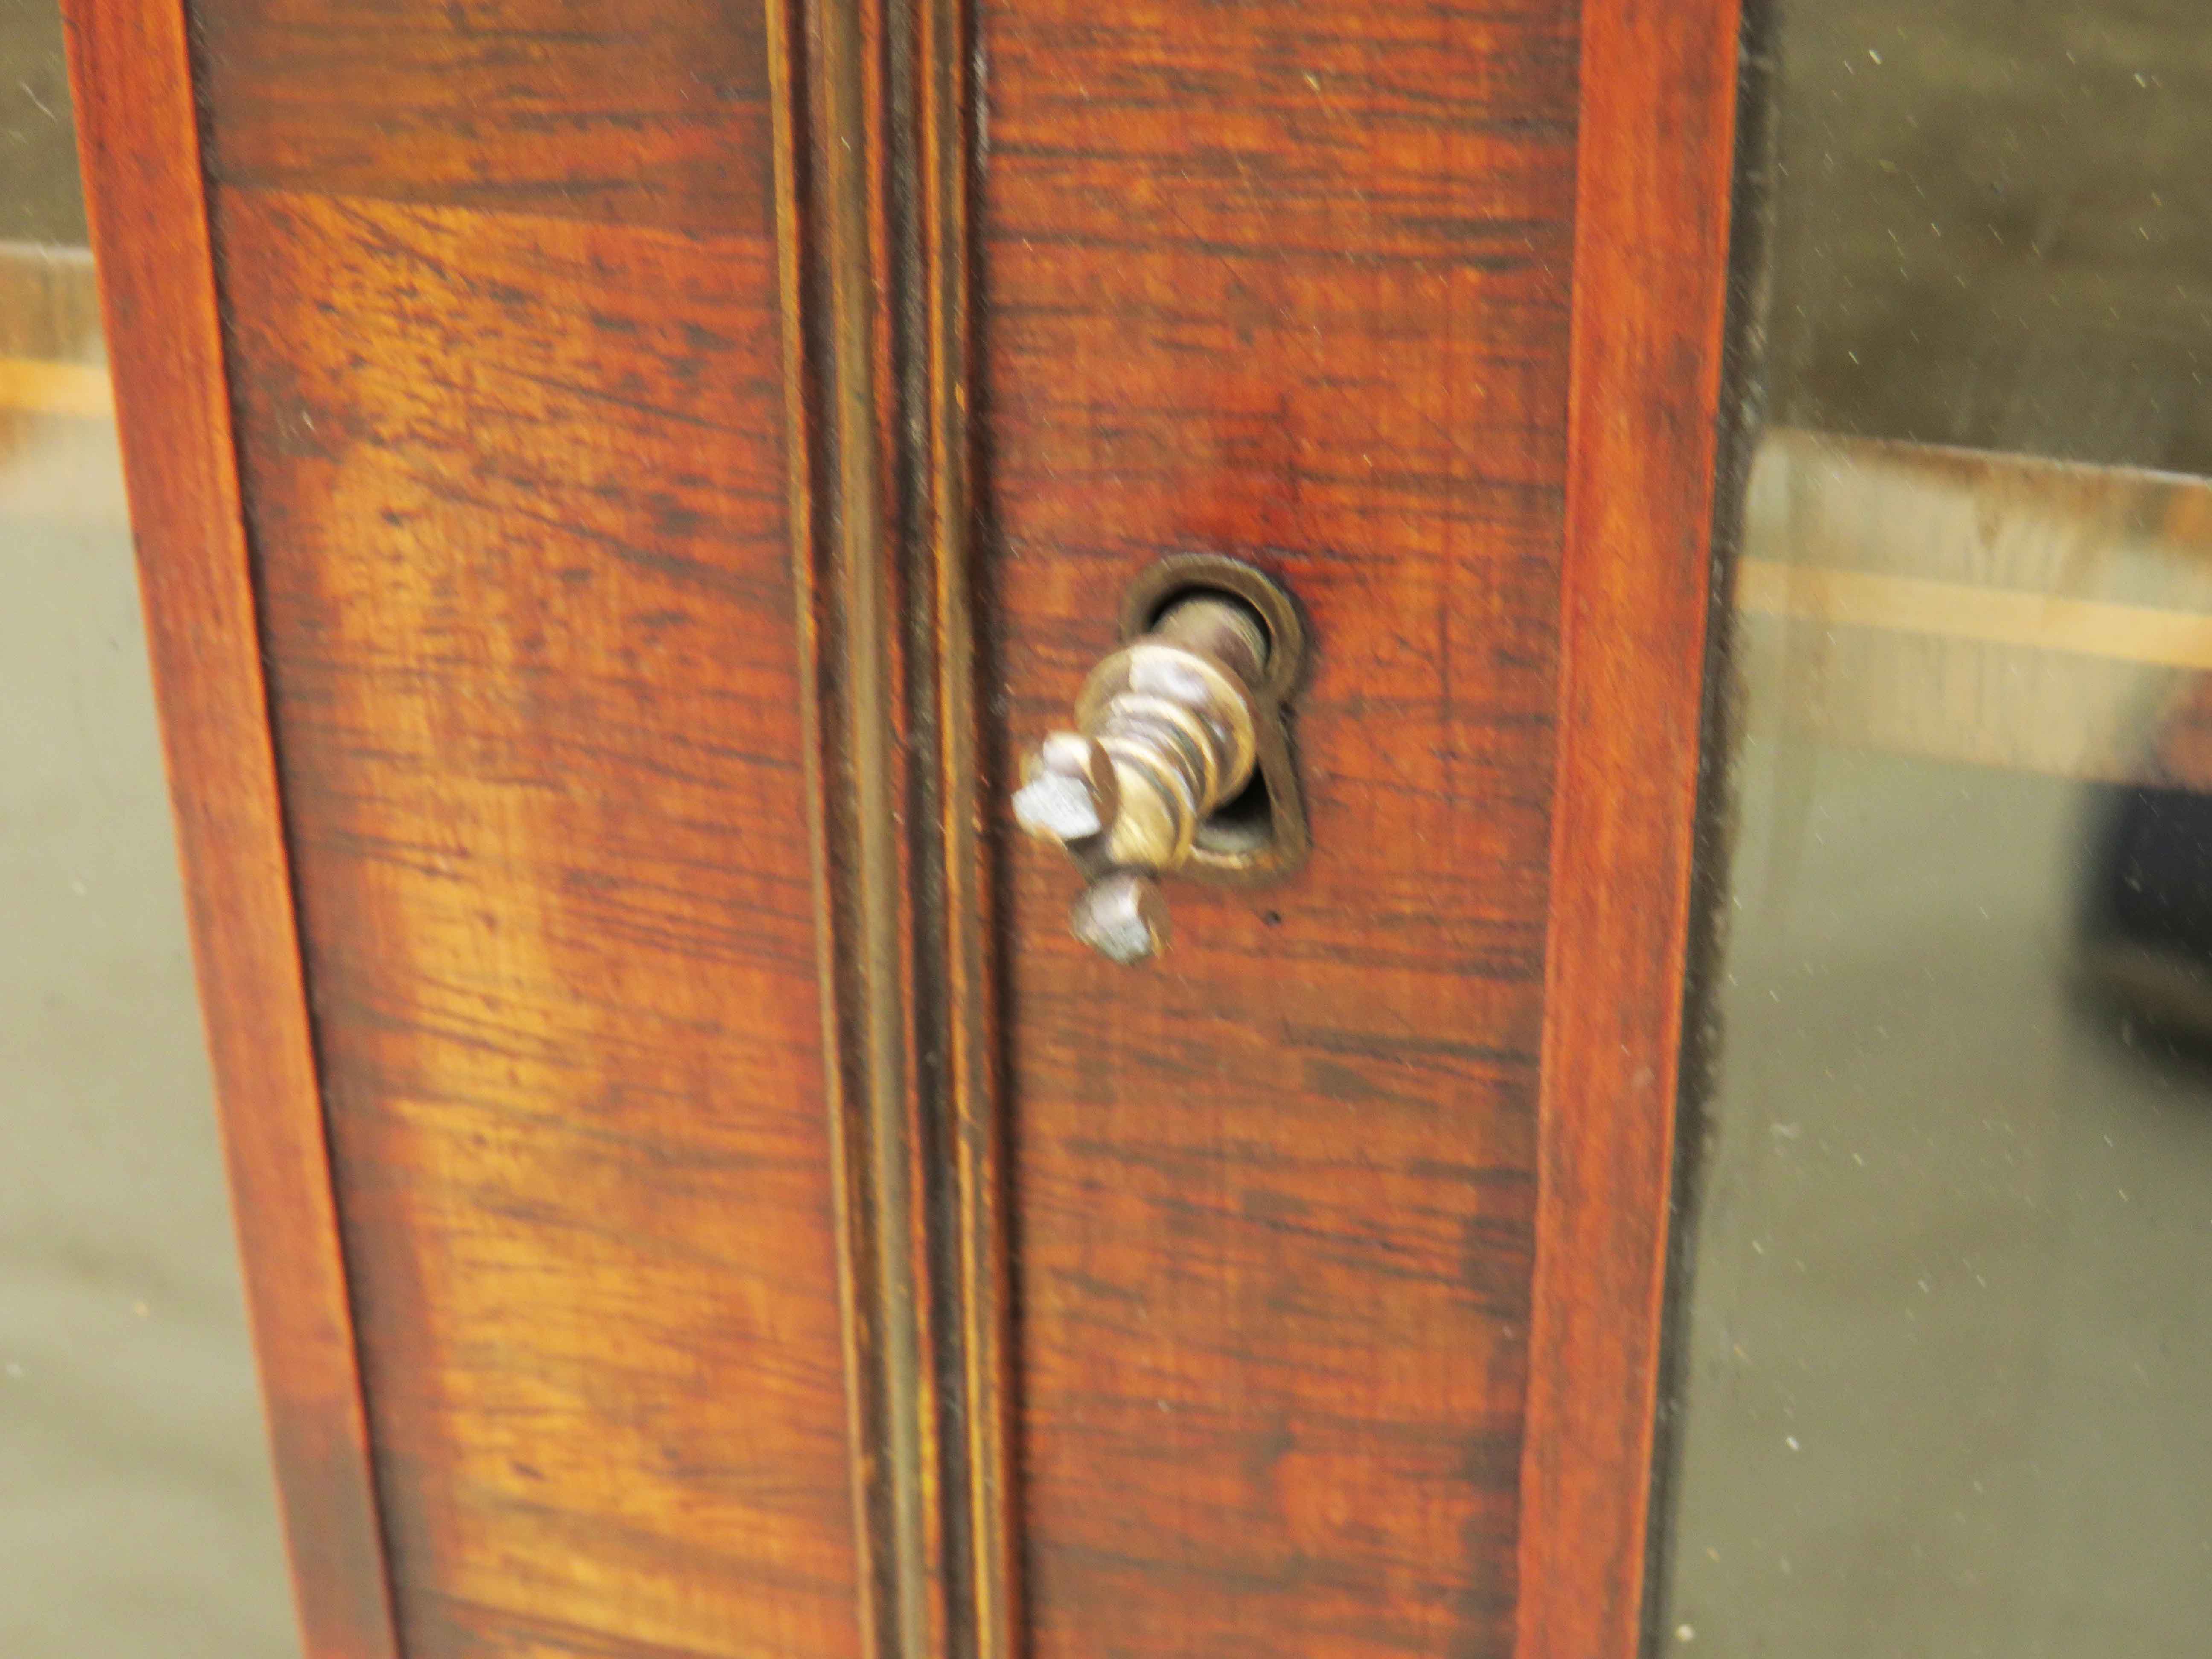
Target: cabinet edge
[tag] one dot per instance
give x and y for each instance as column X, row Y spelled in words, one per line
column 138, row 143
column 1654, row 170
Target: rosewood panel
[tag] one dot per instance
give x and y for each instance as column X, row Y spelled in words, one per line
column 506, row 373
column 1288, row 281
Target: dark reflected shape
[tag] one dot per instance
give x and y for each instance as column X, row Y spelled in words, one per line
column 2147, row 919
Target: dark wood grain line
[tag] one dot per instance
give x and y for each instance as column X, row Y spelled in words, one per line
column 639, row 111
column 139, row 142
column 1651, row 252
column 872, row 141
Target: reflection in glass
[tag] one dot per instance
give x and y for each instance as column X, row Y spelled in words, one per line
column 1944, row 1373
column 136, row 1510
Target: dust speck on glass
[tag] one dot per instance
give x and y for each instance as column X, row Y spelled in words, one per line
column 1942, row 1372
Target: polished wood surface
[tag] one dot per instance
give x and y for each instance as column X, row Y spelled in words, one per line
column 873, row 134
column 1657, row 155
column 514, row 467
column 630, row 112
column 150, row 229
column 655, row 590
column 1289, row 283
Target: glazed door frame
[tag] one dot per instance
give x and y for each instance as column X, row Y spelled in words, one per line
column 876, row 134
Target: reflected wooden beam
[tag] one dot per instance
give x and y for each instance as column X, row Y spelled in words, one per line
column 49, row 303
column 1996, row 609
column 1956, row 610
column 31, row 386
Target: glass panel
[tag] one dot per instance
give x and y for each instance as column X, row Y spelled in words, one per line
column 1943, row 1350
column 138, row 1514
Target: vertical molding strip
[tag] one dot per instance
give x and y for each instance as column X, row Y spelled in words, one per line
column 1653, row 194
column 138, row 140
column 982, row 1227
column 872, row 185
column 829, row 248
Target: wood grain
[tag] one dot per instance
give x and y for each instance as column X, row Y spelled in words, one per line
column 140, row 148
column 946, row 99
column 519, row 528
column 1284, row 282
column 1290, row 283
column 511, row 433
column 873, row 135
column 1651, row 264
column 850, row 545
column 643, row 111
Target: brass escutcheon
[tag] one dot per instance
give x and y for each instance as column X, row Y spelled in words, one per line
column 1181, row 760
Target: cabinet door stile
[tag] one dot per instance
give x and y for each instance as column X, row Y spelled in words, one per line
column 1654, row 183
column 139, row 144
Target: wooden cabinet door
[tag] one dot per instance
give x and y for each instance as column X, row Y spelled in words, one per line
column 619, row 487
